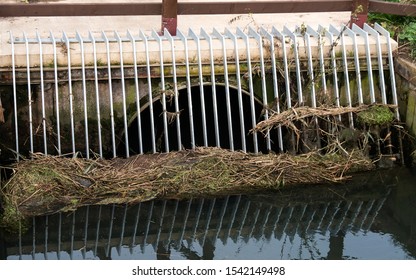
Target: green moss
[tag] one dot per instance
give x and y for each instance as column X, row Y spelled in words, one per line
column 376, row 115
column 12, row 220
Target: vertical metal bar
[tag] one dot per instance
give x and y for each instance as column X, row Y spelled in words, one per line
column 275, row 83
column 345, row 64
column 188, row 87
column 71, row 95
column 386, row 34
column 353, row 36
column 265, row 112
column 29, row 92
column 239, row 89
column 364, row 35
column 251, row 87
column 318, row 36
column 220, row 37
column 307, row 39
column 97, row 95
column 282, row 38
column 42, row 89
column 334, row 70
column 84, row 94
column 196, row 38
column 376, row 35
column 295, row 48
column 175, row 86
column 213, row 86
column 163, row 87
column 110, row 92
column 311, row 75
column 123, row 92
column 55, row 68
column 136, row 87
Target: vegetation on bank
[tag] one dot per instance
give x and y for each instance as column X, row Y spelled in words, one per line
column 401, row 28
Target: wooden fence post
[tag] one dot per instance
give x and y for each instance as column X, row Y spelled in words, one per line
column 359, row 12
column 169, row 16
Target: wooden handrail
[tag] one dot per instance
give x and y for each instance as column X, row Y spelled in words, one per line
column 170, row 9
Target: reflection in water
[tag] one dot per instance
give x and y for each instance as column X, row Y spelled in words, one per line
column 370, row 223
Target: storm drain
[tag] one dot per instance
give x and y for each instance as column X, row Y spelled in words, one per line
column 110, row 94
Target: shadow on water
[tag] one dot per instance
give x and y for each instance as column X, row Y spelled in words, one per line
column 373, row 217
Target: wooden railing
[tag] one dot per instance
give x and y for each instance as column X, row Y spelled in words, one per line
column 170, row 9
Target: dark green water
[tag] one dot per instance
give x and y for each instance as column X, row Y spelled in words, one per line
column 372, row 217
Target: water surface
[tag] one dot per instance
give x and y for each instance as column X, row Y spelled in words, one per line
column 373, row 217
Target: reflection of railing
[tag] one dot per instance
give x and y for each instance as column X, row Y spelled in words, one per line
column 170, row 9
column 193, row 228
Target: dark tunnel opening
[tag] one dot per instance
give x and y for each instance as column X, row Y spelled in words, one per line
column 185, row 130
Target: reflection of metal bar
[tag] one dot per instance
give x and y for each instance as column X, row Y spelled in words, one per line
column 197, row 218
column 378, row 207
column 97, row 232
column 110, row 231
column 188, row 209
column 367, row 212
column 211, row 208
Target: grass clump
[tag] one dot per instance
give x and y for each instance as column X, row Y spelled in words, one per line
column 376, row 115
